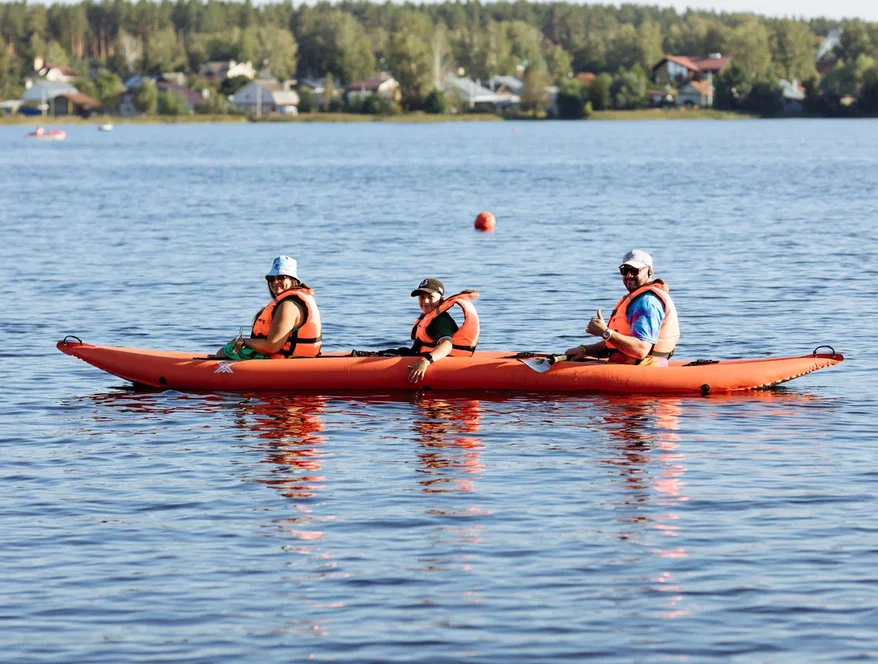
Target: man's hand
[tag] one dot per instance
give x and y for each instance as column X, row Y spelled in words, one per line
column 574, row 354
column 597, row 325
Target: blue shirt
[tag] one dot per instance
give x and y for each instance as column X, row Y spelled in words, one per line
column 645, row 315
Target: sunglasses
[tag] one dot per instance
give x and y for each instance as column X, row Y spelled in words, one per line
column 279, row 277
column 627, row 270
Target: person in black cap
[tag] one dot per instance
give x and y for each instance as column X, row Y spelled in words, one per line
column 439, row 331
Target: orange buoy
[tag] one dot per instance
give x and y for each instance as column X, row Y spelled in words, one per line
column 485, row 222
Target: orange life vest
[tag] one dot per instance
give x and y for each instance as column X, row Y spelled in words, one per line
column 465, row 340
column 669, row 332
column 305, row 340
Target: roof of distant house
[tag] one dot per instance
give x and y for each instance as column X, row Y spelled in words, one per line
column 510, row 82
column 47, row 89
column 82, row 100
column 192, row 96
column 792, row 90
column 64, row 69
column 712, row 64
column 371, row 84
column 585, row 77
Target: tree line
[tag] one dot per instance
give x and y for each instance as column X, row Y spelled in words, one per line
column 421, row 44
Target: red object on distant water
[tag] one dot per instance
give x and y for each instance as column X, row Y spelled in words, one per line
column 485, row 222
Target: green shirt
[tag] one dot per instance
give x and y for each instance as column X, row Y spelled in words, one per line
column 442, row 326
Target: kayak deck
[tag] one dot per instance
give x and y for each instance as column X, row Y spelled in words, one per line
column 483, row 371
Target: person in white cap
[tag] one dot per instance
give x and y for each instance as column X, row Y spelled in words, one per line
column 288, row 326
column 643, row 328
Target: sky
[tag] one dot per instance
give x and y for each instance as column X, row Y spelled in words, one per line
column 864, row 9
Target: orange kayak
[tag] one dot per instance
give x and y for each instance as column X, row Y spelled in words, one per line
column 484, row 371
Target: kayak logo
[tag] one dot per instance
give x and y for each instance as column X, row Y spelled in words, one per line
column 224, row 367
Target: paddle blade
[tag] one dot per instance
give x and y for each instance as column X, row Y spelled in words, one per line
column 540, row 366
column 544, row 364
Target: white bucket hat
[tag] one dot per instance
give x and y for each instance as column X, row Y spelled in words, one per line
column 637, row 258
column 283, row 265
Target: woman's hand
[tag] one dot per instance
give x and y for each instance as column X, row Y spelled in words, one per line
column 419, row 370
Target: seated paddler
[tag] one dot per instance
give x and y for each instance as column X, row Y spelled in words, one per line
column 288, row 326
column 435, row 334
column 643, row 327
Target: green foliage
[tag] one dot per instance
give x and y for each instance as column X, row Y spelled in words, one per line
column 558, row 63
column 749, row 46
column 56, row 54
column 306, row 100
column 571, row 100
column 146, row 98
column 420, row 44
column 215, row 104
column 629, row 89
column 376, row 105
column 600, row 92
column 329, row 94
column 87, row 87
column 731, row 88
column 854, row 41
column 274, row 45
column 534, row 97
column 436, row 102
column 170, row 103
column 410, row 57
column 230, row 86
column 868, row 101
column 334, row 41
column 163, row 53
column 108, row 87
column 793, row 49
column 765, row 99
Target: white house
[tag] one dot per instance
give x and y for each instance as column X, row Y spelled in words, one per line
column 793, row 96
column 388, row 88
column 506, row 84
column 219, row 70
column 472, row 95
column 53, row 73
column 261, row 97
column 57, row 98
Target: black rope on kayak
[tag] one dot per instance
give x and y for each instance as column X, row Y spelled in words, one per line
column 700, row 363
column 71, row 336
column 829, row 347
column 526, row 354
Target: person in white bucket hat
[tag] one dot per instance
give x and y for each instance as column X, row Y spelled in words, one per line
column 643, row 328
column 288, row 326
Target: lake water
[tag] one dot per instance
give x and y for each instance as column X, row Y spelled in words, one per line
column 174, row 527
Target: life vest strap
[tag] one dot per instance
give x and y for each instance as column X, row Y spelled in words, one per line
column 471, row 349
column 306, row 340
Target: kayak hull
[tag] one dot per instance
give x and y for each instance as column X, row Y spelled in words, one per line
column 484, row 371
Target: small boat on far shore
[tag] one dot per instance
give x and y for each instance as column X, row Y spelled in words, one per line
column 106, row 127
column 51, row 135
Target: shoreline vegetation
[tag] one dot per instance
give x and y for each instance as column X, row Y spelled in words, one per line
column 568, row 60
column 652, row 114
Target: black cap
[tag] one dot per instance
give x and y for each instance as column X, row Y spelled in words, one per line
column 429, row 286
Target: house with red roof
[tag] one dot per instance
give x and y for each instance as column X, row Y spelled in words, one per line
column 678, row 70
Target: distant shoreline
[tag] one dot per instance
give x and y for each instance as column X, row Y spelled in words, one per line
column 645, row 114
